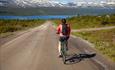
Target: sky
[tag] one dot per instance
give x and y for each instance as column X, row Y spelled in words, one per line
column 66, row 1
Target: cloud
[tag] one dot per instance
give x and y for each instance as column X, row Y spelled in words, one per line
column 89, row 0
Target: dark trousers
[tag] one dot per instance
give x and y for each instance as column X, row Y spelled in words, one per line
column 61, row 39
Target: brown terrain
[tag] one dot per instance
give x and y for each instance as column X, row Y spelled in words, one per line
column 36, row 49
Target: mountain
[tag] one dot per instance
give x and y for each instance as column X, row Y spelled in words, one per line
column 3, row 3
column 30, row 3
column 50, row 3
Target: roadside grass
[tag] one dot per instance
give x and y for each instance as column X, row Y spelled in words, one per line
column 15, row 25
column 89, row 21
column 103, row 40
column 56, row 22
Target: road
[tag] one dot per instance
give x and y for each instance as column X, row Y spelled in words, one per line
column 36, row 49
column 93, row 29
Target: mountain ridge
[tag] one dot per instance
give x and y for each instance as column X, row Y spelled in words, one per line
column 50, row 3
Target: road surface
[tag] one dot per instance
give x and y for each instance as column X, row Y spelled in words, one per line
column 36, row 49
column 93, row 29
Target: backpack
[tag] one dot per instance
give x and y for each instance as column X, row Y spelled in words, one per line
column 64, row 29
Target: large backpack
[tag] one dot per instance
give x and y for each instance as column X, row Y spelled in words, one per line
column 64, row 29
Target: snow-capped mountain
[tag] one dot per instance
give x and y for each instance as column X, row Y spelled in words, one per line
column 50, row 3
column 3, row 3
column 30, row 3
column 35, row 3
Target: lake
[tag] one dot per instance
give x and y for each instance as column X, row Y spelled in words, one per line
column 52, row 12
column 36, row 17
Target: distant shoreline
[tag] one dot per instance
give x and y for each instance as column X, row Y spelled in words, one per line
column 45, row 17
column 36, row 17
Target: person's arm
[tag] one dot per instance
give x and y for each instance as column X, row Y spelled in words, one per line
column 58, row 30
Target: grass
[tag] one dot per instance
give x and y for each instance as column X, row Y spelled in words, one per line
column 15, row 25
column 103, row 40
column 89, row 21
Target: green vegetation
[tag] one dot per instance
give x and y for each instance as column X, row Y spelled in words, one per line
column 104, row 41
column 90, row 21
column 14, row 25
column 56, row 22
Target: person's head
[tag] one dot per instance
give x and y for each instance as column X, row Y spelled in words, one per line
column 63, row 21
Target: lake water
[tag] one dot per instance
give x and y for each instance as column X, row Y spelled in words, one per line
column 52, row 13
column 36, row 17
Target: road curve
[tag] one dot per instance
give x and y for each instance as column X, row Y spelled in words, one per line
column 93, row 29
column 37, row 49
